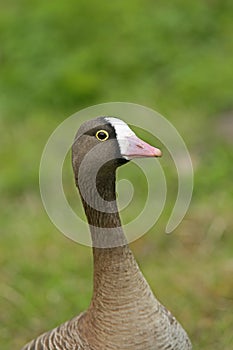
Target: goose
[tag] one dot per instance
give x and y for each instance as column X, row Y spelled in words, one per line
column 123, row 312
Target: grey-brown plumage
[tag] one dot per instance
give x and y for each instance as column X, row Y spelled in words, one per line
column 123, row 313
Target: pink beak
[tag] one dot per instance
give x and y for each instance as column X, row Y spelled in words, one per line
column 137, row 148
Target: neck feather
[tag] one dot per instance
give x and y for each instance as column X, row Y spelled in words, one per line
column 101, row 210
column 120, row 291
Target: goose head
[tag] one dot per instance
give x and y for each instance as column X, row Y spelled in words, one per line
column 106, row 143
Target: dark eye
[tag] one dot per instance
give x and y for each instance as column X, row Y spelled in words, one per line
column 102, row 135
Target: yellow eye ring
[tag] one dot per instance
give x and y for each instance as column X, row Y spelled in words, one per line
column 102, row 135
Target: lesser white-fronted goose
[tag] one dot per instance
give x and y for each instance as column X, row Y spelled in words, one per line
column 123, row 313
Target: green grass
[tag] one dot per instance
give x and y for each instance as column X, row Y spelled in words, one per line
column 57, row 58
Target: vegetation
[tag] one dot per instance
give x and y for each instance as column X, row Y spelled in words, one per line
column 59, row 57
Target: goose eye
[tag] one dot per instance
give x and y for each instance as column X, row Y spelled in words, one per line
column 102, row 135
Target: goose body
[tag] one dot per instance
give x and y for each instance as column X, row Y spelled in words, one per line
column 123, row 313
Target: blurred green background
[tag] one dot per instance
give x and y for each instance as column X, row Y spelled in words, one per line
column 59, row 57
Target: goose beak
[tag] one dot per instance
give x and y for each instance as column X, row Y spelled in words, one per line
column 137, row 148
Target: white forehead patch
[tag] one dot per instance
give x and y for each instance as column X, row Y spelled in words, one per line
column 121, row 128
column 123, row 131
